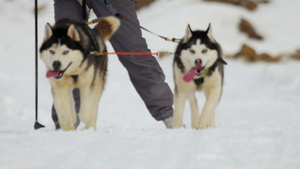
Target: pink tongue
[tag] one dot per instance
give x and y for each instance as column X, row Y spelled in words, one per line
column 52, row 74
column 189, row 76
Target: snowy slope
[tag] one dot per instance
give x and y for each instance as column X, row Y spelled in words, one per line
column 257, row 118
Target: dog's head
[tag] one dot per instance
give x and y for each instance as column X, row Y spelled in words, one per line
column 200, row 50
column 61, row 50
column 68, row 44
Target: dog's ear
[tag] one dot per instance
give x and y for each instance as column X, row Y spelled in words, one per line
column 220, row 60
column 48, row 32
column 107, row 27
column 209, row 33
column 188, row 34
column 73, row 33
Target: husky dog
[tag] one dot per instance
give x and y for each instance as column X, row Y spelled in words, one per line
column 67, row 52
column 198, row 65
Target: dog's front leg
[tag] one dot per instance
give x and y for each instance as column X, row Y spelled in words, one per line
column 194, row 110
column 95, row 104
column 179, row 103
column 212, row 121
column 85, row 112
column 207, row 117
column 212, row 93
column 62, row 102
column 90, row 97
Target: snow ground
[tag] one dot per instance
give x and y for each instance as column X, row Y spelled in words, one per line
column 257, row 118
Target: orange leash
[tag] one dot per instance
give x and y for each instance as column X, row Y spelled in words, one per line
column 160, row 54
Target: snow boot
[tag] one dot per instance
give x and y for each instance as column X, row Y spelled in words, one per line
column 169, row 122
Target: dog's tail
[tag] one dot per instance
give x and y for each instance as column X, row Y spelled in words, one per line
column 107, row 27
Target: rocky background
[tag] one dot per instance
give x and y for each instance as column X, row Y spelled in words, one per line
column 246, row 52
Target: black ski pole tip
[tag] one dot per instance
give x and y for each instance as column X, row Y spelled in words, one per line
column 37, row 125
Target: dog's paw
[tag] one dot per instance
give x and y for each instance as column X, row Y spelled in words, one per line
column 89, row 125
column 67, row 126
column 202, row 123
column 195, row 126
column 84, row 117
column 178, row 126
column 205, row 124
column 202, row 126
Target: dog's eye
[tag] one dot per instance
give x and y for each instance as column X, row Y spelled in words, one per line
column 65, row 52
column 192, row 51
column 52, row 52
column 204, row 51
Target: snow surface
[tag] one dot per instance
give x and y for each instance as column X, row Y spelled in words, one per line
column 257, row 119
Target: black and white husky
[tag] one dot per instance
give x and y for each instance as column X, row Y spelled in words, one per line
column 198, row 65
column 67, row 52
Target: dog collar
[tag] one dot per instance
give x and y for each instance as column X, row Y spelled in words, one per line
column 200, row 80
column 205, row 73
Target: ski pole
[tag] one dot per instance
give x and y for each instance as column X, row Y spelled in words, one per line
column 37, row 125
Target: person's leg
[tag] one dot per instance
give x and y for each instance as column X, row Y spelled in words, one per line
column 70, row 9
column 144, row 71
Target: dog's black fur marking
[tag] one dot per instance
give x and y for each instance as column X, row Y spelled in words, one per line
column 75, row 78
column 87, row 43
column 199, row 81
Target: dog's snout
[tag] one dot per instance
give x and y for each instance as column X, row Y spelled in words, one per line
column 56, row 65
column 198, row 62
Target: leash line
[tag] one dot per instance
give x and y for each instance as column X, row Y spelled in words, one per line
column 124, row 18
column 160, row 54
column 135, row 24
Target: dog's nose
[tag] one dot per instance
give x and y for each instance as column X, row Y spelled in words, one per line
column 198, row 62
column 56, row 65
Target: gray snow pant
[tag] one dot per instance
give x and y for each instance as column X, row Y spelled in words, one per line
column 144, row 71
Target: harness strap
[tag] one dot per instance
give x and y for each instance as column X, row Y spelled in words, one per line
column 119, row 15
